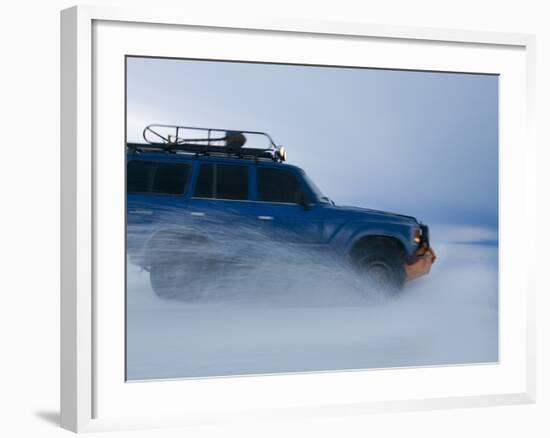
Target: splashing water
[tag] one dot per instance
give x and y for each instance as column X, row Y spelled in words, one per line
column 296, row 311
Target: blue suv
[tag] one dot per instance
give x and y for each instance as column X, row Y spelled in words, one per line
column 198, row 198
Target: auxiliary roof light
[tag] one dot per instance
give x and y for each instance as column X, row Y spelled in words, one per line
column 281, row 153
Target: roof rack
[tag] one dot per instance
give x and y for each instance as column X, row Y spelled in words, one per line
column 209, row 141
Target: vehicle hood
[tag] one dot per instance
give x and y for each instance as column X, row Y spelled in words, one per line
column 369, row 214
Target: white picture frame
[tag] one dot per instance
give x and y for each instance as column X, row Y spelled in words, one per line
column 93, row 397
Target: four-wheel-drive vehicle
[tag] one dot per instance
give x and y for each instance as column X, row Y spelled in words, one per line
column 201, row 197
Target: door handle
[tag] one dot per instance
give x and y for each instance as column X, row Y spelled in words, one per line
column 198, row 213
column 265, row 218
column 141, row 211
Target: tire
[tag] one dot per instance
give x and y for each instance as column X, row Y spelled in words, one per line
column 382, row 267
column 173, row 273
column 174, row 279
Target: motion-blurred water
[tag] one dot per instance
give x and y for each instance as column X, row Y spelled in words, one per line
column 302, row 313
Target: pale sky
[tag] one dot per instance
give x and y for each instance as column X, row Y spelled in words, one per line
column 418, row 143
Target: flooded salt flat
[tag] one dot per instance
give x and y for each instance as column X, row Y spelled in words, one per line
column 310, row 315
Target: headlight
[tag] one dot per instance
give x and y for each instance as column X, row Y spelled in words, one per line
column 417, row 234
column 280, row 153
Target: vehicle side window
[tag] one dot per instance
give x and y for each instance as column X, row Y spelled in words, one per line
column 279, row 185
column 139, row 176
column 171, row 178
column 157, row 177
column 220, row 181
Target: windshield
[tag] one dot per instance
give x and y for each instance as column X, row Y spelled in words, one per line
column 316, row 191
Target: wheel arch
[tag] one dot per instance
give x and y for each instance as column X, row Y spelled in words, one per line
column 170, row 239
column 375, row 241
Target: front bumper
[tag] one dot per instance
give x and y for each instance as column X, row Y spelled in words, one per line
column 421, row 262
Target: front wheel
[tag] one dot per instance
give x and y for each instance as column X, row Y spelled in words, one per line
column 382, row 268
